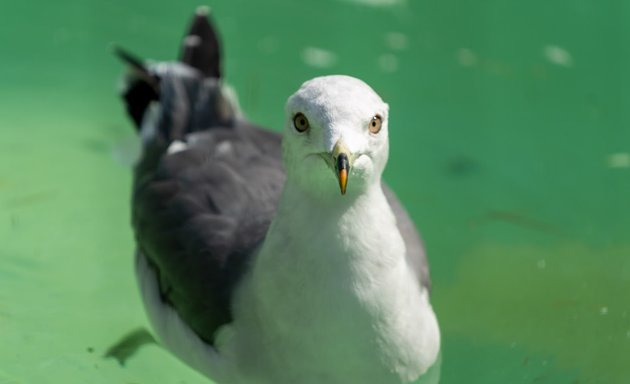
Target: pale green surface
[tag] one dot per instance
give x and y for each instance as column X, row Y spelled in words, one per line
column 503, row 163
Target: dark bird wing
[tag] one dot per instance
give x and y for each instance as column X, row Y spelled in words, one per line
column 200, row 214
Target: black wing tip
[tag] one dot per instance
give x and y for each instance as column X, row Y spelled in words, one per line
column 127, row 57
column 141, row 87
column 200, row 47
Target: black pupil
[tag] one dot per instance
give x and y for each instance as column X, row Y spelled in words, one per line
column 301, row 121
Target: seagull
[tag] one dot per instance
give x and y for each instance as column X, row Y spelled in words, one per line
column 274, row 258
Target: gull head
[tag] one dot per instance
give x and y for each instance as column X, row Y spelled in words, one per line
column 335, row 139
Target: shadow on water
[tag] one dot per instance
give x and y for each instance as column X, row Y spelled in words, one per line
column 129, row 345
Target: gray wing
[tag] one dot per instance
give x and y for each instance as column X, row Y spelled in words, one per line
column 416, row 256
column 200, row 214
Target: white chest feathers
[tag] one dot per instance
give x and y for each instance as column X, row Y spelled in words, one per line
column 331, row 299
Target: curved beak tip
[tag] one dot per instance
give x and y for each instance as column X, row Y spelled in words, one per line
column 343, row 180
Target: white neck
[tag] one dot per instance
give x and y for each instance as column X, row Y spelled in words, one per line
column 340, row 231
column 331, row 271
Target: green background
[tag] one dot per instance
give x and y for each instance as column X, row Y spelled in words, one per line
column 510, row 144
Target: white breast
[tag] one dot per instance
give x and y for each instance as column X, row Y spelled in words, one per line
column 332, row 299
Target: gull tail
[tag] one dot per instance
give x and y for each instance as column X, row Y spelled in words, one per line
column 168, row 100
column 200, row 48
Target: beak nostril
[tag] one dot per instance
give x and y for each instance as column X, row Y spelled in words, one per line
column 342, row 162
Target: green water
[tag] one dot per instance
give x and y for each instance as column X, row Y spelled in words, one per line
column 510, row 137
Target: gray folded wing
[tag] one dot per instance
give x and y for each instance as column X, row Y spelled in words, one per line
column 416, row 255
column 199, row 215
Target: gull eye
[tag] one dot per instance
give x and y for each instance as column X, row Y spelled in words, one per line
column 300, row 122
column 375, row 124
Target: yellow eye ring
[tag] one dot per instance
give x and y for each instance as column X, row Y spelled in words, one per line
column 375, row 124
column 300, row 122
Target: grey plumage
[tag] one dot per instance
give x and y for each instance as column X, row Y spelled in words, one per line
column 198, row 214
